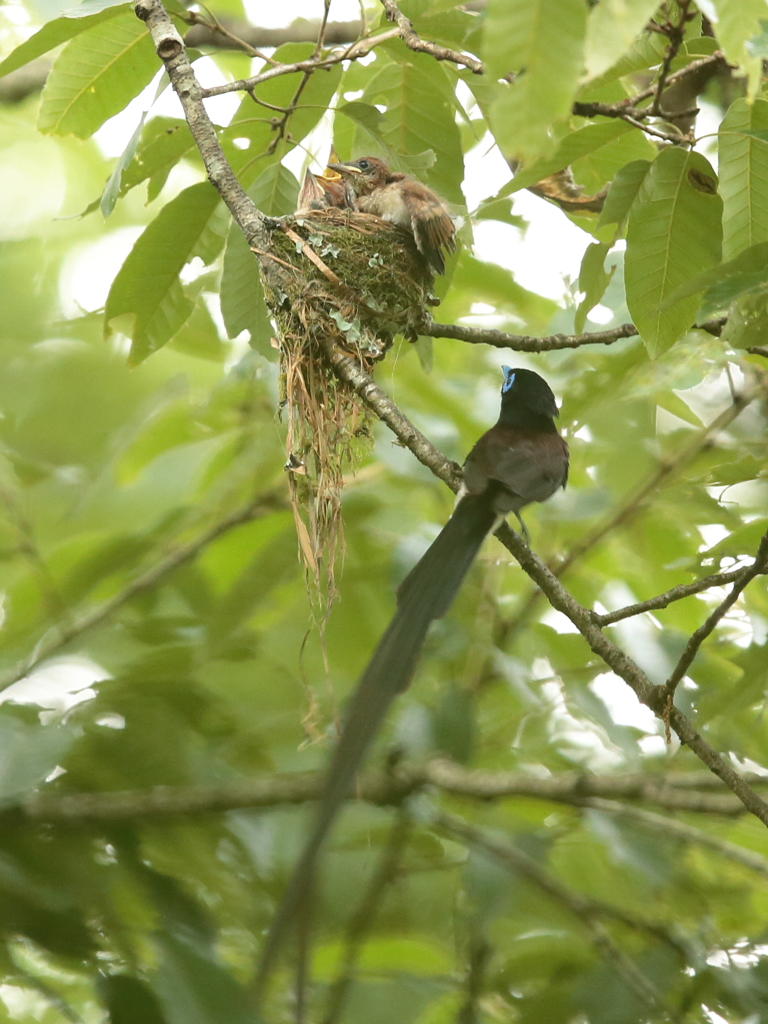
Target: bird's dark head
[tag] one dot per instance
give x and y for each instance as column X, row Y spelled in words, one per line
column 526, row 392
column 363, row 175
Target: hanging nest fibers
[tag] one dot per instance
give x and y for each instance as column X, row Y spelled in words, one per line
column 353, row 281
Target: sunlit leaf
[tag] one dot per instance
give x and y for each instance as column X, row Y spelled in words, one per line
column 540, row 42
column 611, row 29
column 147, row 286
column 571, row 147
column 420, row 116
column 96, row 75
column 51, row 35
column 112, row 188
column 743, row 170
column 673, row 234
column 736, row 25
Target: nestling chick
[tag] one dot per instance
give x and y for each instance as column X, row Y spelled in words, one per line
column 372, row 188
column 319, row 191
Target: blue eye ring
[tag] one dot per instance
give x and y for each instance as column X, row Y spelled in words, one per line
column 509, row 379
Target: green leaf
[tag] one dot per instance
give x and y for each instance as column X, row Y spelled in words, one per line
column 96, row 75
column 541, row 42
column 724, row 283
column 673, row 234
column 164, row 141
column 743, row 170
column 88, row 7
column 571, row 147
column 276, row 191
column 51, row 35
column 612, row 27
column 147, row 286
column 421, row 116
column 748, row 320
column 622, row 193
column 757, row 46
column 112, row 188
column 242, row 298
column 736, row 25
column 646, row 52
column 28, row 754
column 129, row 1000
column 593, row 280
column 195, row 989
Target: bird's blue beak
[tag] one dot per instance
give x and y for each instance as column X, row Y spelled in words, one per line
column 509, row 379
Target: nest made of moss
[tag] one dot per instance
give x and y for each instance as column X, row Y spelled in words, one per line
column 352, row 281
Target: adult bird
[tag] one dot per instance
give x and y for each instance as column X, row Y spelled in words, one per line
column 401, row 200
column 520, row 460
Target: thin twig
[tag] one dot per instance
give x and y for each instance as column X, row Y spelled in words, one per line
column 675, row 32
column 214, row 25
column 716, row 57
column 323, row 25
column 357, row 49
column 684, row 590
column 677, row 138
column 701, row 634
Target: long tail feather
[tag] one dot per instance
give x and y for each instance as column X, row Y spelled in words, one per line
column 426, row 594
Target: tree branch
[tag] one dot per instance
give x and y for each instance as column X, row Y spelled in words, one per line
column 414, row 42
column 357, row 49
column 527, row 343
column 170, row 49
column 663, row 600
column 698, row 638
column 524, row 342
column 686, row 792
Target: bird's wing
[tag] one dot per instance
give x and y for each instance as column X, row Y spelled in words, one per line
column 432, row 224
column 531, row 466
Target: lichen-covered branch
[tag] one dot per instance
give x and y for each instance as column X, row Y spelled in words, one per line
column 528, row 343
column 170, row 49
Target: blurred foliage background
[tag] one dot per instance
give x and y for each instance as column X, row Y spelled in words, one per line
column 157, row 629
